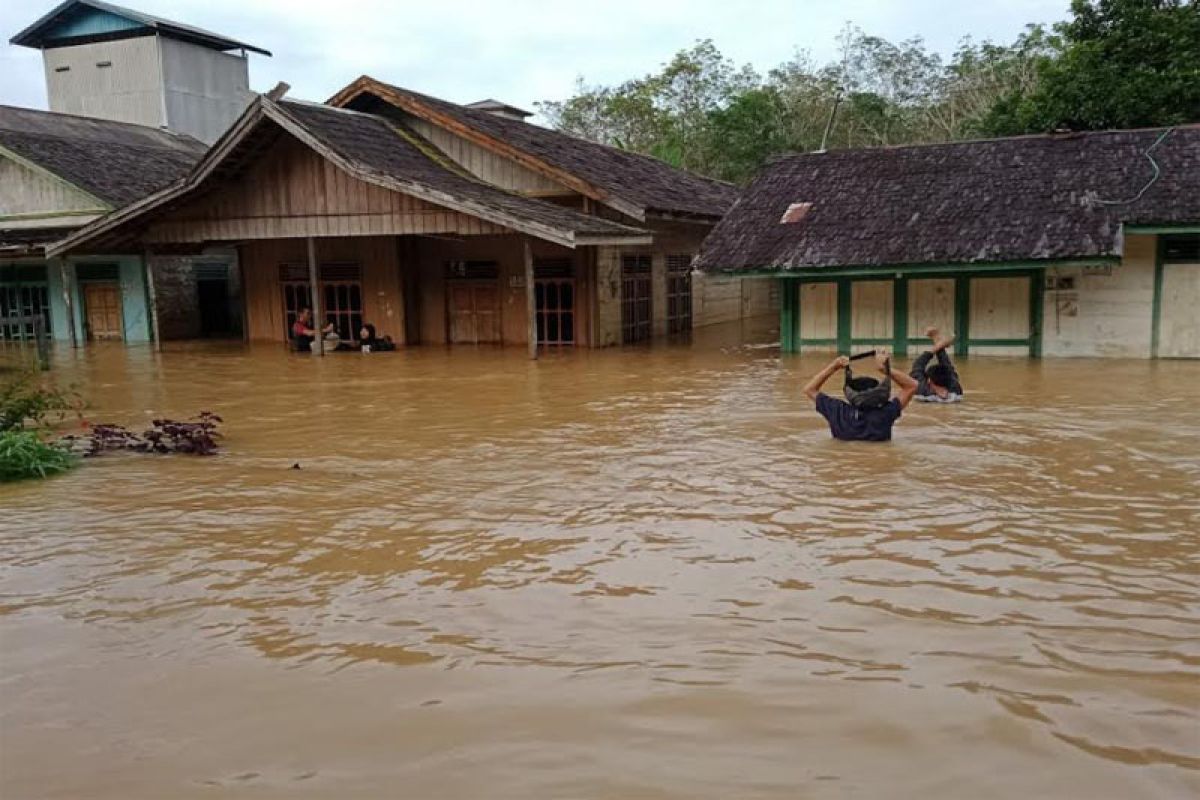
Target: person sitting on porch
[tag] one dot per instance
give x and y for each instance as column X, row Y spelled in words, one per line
column 937, row 383
column 869, row 411
column 304, row 334
column 372, row 343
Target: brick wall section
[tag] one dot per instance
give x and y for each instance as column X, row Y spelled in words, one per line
column 608, row 296
column 175, row 297
column 715, row 298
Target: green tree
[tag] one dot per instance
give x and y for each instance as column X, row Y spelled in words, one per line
column 1119, row 64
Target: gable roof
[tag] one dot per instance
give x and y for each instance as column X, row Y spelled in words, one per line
column 76, row 20
column 632, row 183
column 115, row 162
column 497, row 107
column 1016, row 199
column 371, row 149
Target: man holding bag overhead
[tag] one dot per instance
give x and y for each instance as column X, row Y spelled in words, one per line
column 869, row 411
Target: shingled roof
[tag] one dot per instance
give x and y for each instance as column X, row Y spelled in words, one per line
column 644, row 183
column 370, row 148
column 115, row 162
column 1016, row 199
column 384, row 147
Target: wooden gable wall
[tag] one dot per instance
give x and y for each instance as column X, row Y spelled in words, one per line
column 488, row 166
column 293, row 192
column 27, row 192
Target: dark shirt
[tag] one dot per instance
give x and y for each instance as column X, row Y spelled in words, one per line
column 852, row 424
column 918, row 373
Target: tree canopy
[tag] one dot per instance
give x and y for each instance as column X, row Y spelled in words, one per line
column 1114, row 63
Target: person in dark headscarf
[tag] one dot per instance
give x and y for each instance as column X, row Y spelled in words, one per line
column 372, row 343
column 869, row 411
column 937, row 383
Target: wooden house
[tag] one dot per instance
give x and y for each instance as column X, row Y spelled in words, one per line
column 439, row 223
column 1080, row 244
column 59, row 172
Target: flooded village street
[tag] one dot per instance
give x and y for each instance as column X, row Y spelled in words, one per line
column 637, row 573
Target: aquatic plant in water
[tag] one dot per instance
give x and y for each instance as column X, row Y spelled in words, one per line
column 197, row 436
column 24, row 454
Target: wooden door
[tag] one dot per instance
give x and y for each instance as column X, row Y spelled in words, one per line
column 474, row 312
column 818, row 314
column 930, row 305
column 1178, row 319
column 999, row 320
column 103, row 304
column 872, row 311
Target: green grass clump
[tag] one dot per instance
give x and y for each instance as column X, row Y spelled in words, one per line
column 23, row 454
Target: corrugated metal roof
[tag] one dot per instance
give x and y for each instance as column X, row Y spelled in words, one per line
column 75, row 19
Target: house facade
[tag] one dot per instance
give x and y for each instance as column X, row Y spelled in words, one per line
column 1058, row 245
column 57, row 173
column 439, row 224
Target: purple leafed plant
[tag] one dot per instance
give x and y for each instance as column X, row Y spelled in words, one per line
column 197, row 436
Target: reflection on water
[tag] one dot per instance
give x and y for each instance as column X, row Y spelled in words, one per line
column 637, row 573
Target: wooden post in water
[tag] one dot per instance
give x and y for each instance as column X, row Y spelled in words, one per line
column 318, row 322
column 531, row 301
column 151, row 299
column 42, row 341
column 68, row 299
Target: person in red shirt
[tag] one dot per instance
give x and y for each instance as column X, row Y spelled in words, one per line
column 303, row 332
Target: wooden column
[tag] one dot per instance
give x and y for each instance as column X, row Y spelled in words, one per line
column 314, row 290
column 789, row 300
column 530, row 301
column 68, row 299
column 151, row 299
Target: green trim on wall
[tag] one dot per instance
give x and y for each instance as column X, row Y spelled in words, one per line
column 1162, row 228
column 962, row 315
column 826, row 274
column 1160, row 252
column 1018, row 342
column 789, row 307
column 1037, row 308
column 900, row 316
column 845, row 315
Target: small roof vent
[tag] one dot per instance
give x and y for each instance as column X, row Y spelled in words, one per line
column 795, row 212
column 500, row 109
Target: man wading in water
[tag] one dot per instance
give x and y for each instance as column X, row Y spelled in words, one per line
column 871, row 411
column 937, row 383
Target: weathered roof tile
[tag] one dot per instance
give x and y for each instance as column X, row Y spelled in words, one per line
column 1016, row 199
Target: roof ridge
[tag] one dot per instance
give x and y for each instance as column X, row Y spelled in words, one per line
column 183, row 137
column 1067, row 135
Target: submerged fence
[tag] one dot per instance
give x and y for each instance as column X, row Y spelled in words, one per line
column 18, row 332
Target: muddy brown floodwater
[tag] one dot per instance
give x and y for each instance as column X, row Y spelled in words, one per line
column 620, row 574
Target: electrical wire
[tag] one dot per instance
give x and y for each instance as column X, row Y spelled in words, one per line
column 1093, row 199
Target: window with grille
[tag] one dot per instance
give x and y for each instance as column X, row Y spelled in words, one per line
column 679, row 293
column 554, row 300
column 341, row 295
column 635, row 299
column 23, row 293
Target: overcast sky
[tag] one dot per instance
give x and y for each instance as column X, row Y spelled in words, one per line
column 520, row 51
